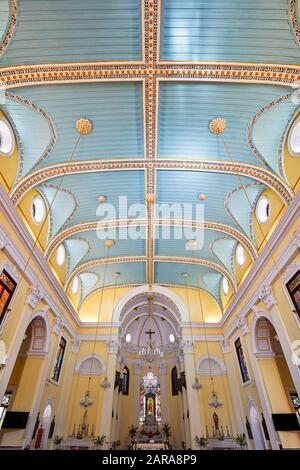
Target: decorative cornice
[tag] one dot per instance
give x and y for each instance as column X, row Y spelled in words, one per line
column 58, row 325
column 225, row 346
column 267, row 295
column 34, row 296
column 251, row 171
column 44, row 74
column 75, row 347
column 11, row 27
column 241, row 323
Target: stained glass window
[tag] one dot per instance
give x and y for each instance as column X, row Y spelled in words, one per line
column 7, row 288
column 150, row 401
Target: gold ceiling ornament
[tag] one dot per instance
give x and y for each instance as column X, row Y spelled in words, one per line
column 102, row 199
column 150, row 197
column 109, row 243
column 202, row 197
column 84, row 126
column 217, row 125
column 192, row 243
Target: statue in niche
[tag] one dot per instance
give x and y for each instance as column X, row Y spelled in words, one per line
column 216, row 421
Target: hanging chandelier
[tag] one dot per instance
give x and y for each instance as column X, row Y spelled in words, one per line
column 151, row 353
column 87, row 400
column 214, row 402
column 105, row 384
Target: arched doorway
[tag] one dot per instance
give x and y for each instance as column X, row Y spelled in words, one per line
column 22, row 384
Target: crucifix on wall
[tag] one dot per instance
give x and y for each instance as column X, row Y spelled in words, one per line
column 150, row 333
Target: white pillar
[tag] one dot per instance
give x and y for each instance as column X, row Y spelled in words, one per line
column 108, row 394
column 192, row 394
column 137, row 369
column 163, row 392
column 262, row 395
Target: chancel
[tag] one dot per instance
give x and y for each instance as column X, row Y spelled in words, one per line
column 149, row 225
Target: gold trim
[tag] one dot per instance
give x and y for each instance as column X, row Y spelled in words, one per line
column 11, row 27
column 251, row 171
column 90, row 226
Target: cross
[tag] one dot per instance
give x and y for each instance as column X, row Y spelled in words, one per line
column 150, row 333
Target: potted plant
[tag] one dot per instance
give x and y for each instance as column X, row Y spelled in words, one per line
column 241, row 440
column 201, row 442
column 99, row 440
column 57, row 441
column 166, row 429
column 133, row 430
column 116, row 444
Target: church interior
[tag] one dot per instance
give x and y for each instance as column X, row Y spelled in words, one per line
column 149, row 224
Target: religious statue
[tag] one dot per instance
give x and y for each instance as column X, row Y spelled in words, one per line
column 216, row 421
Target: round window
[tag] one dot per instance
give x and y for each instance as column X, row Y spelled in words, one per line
column 75, row 285
column 263, row 209
column 128, row 338
column 225, row 285
column 240, row 255
column 294, row 139
column 171, row 338
column 6, row 138
column 60, row 255
column 38, row 209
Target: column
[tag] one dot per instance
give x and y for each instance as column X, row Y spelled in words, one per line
column 163, row 392
column 65, row 392
column 137, row 385
column 54, row 339
column 192, row 394
column 108, row 393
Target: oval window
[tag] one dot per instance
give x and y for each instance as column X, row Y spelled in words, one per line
column 240, row 255
column 294, row 139
column 60, row 255
column 171, row 338
column 38, row 209
column 128, row 338
column 6, row 138
column 263, row 209
column 75, row 285
column 225, row 285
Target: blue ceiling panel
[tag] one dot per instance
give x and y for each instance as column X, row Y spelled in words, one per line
column 115, row 110
column 75, row 31
column 186, row 109
column 86, row 188
column 171, row 273
column 231, row 30
column 183, row 187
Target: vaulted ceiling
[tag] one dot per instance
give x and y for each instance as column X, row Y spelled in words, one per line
column 150, row 76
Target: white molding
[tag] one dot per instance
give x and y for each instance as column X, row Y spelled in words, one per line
column 210, row 357
column 86, row 357
column 156, row 289
column 20, row 230
column 34, row 295
column 292, row 213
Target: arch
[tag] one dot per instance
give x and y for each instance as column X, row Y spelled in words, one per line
column 209, row 364
column 40, row 328
column 260, row 323
column 90, row 364
column 156, row 289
